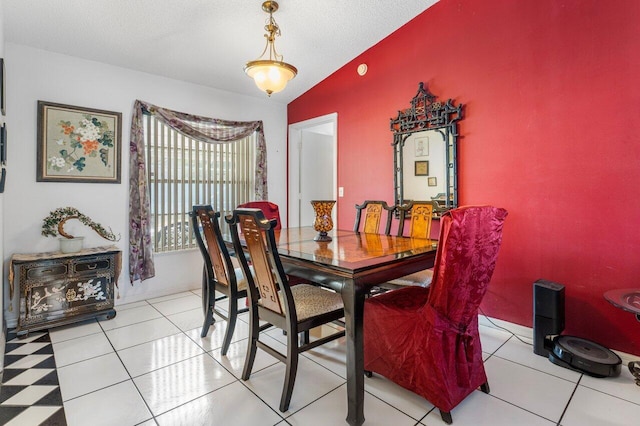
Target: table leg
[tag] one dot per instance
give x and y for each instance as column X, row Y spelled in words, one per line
column 353, row 298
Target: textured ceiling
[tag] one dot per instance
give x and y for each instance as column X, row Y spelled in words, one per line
column 207, row 42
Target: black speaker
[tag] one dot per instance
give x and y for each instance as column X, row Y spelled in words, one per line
column 548, row 314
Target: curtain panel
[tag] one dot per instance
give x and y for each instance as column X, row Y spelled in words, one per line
column 205, row 129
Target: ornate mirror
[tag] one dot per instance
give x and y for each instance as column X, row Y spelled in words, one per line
column 425, row 137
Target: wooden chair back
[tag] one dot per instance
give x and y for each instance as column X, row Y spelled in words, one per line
column 205, row 223
column 420, row 214
column 372, row 217
column 269, row 209
column 260, row 244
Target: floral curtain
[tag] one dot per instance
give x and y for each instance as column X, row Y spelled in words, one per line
column 210, row 130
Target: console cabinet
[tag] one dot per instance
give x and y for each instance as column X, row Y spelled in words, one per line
column 61, row 288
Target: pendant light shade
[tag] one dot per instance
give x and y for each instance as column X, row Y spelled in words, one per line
column 270, row 75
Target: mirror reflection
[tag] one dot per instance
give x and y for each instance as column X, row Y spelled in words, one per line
column 425, row 151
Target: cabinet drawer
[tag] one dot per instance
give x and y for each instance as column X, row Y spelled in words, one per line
column 52, row 270
column 91, row 265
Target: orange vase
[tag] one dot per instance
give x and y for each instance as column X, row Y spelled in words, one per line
column 323, row 222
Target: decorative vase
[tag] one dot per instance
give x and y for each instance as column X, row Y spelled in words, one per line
column 323, row 222
column 71, row 245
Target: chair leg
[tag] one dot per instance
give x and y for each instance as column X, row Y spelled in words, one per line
column 485, row 387
column 446, row 417
column 292, row 369
column 252, row 346
column 208, row 304
column 231, row 324
column 304, row 338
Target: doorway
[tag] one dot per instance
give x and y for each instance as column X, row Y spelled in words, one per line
column 313, row 175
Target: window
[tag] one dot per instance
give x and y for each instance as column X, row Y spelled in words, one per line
column 182, row 171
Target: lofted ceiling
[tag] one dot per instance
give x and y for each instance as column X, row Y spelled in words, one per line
column 207, row 42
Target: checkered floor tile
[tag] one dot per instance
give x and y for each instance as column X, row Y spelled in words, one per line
column 30, row 393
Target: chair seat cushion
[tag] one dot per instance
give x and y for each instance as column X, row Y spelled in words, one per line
column 420, row 278
column 312, row 301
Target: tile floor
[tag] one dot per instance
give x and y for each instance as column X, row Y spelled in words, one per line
column 149, row 366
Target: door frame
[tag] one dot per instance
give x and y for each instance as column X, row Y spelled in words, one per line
column 293, row 163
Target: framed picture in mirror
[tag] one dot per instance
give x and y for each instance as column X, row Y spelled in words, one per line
column 422, row 146
column 432, row 181
column 422, row 168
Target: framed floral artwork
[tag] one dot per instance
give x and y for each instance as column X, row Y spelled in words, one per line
column 77, row 144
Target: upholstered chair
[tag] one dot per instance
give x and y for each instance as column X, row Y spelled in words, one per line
column 426, row 339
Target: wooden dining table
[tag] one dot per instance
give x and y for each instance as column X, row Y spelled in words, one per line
column 351, row 264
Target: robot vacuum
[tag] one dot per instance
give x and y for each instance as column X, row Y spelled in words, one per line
column 584, row 356
column 571, row 352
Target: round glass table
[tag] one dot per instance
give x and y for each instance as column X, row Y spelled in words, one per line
column 627, row 299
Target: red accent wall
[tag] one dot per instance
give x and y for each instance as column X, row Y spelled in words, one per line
column 551, row 132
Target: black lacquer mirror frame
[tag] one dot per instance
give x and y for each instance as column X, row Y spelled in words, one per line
column 425, row 113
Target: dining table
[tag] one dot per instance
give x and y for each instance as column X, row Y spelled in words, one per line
column 352, row 264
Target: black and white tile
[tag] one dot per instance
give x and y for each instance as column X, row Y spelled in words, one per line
column 30, row 392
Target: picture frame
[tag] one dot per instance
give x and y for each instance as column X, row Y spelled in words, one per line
column 421, row 146
column 78, row 144
column 2, row 88
column 422, row 168
column 432, row 181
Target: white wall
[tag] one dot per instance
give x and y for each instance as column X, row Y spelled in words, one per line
column 40, row 75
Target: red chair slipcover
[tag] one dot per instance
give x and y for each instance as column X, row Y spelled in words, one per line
column 426, row 339
column 269, row 209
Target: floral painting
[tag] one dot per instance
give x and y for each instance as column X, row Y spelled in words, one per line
column 78, row 144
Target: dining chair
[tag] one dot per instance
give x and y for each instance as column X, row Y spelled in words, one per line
column 420, row 215
column 293, row 309
column 219, row 272
column 373, row 214
column 270, row 210
column 427, row 339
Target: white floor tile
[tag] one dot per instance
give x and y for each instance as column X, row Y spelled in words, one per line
column 146, row 357
column 221, row 407
column 480, row 409
column 170, row 297
column 233, row 361
column 398, row 397
column 131, row 316
column 491, row 338
column 535, row 391
column 180, row 304
column 136, row 334
column 87, row 376
column 332, row 355
column 215, row 336
column 81, row 348
column 188, row 320
column 516, row 351
column 126, row 306
column 169, row 387
column 312, row 382
column 623, row 386
column 67, row 332
column 592, row 408
column 331, row 409
column 119, row 404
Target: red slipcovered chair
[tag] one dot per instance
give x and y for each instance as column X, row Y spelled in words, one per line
column 426, row 339
column 269, row 209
